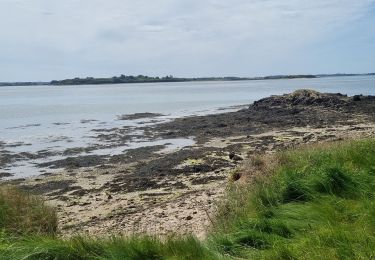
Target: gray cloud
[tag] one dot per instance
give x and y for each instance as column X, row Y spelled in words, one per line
column 46, row 39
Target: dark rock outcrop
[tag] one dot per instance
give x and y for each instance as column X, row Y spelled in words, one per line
column 304, row 97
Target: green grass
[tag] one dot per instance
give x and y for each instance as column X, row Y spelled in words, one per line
column 318, row 203
column 46, row 248
column 22, row 213
column 313, row 203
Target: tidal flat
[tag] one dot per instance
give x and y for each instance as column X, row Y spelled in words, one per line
column 171, row 186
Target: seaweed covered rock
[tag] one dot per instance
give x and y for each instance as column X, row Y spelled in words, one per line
column 304, row 97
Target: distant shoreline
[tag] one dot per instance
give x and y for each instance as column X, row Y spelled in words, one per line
column 146, row 79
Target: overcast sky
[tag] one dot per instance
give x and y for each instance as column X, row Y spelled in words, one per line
column 56, row 39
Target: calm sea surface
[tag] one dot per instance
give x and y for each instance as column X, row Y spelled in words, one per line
column 37, row 118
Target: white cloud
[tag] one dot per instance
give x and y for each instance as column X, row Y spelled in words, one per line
column 45, row 39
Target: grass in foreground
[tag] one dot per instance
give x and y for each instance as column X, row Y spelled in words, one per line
column 318, row 203
column 22, row 213
column 313, row 203
column 116, row 248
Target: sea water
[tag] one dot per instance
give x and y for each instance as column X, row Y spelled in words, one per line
column 54, row 118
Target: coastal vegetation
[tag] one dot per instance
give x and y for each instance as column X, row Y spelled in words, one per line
column 308, row 203
column 149, row 79
column 314, row 203
column 23, row 214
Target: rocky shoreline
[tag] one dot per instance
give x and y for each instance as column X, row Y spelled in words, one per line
column 149, row 189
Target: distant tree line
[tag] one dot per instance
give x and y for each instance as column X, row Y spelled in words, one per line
column 116, row 80
column 144, row 79
column 147, row 79
column 135, row 79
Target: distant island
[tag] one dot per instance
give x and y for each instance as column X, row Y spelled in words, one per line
column 147, row 79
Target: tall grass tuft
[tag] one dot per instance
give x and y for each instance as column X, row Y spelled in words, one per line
column 116, row 248
column 318, row 202
column 24, row 214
